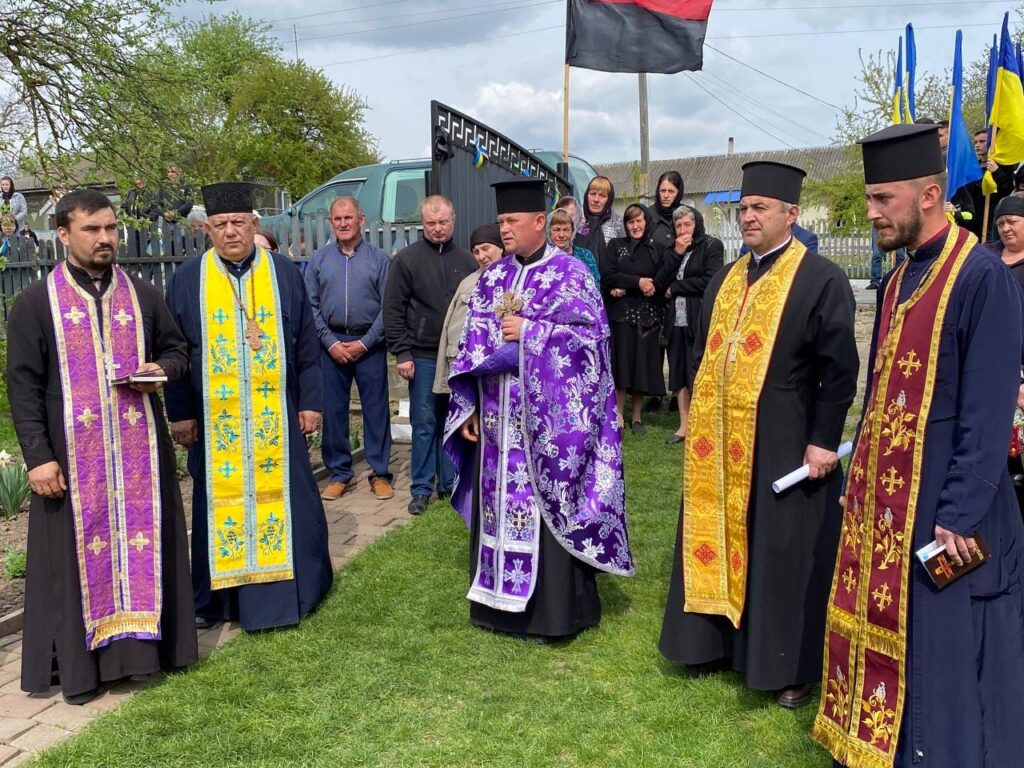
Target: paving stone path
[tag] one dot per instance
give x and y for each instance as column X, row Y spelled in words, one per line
column 31, row 723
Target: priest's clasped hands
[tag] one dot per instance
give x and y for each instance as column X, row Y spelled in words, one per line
column 511, row 327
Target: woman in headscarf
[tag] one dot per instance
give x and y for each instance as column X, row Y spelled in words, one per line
column 485, row 245
column 12, row 202
column 561, row 232
column 668, row 197
column 688, row 267
column 599, row 224
column 635, row 311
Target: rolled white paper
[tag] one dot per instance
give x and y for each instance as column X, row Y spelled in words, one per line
column 801, row 474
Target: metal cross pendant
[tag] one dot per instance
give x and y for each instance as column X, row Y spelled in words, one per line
column 733, row 342
column 510, row 304
column 253, row 333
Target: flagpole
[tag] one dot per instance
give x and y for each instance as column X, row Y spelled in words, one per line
column 645, row 134
column 565, row 118
column 988, row 197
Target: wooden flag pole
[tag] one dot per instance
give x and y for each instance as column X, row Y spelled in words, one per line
column 565, row 118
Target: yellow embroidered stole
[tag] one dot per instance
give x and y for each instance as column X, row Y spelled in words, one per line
column 245, row 426
column 718, row 462
column 864, row 664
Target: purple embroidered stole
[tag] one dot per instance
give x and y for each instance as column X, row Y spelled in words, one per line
column 113, row 470
column 550, row 449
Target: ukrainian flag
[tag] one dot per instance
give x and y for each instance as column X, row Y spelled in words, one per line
column 911, row 110
column 1007, row 116
column 900, row 104
column 961, row 163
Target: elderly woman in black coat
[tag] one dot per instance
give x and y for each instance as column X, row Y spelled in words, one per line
column 686, row 269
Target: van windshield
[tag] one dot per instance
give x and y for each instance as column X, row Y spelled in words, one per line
column 321, row 199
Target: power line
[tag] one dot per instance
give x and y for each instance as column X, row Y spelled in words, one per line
column 475, row 41
column 340, row 10
column 719, row 9
column 787, row 118
column 736, row 111
column 847, row 31
column 475, row 6
column 839, row 110
column 429, row 21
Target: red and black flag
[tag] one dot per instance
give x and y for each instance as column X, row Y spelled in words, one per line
column 636, row 35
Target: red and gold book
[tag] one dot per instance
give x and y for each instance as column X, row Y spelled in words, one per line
column 940, row 566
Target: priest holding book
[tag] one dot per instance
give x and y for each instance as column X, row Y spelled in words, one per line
column 776, row 364
column 923, row 672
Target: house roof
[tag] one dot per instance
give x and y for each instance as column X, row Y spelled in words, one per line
column 722, row 173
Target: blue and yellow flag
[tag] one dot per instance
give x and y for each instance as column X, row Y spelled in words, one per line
column 961, row 163
column 900, row 105
column 911, row 110
column 1007, row 115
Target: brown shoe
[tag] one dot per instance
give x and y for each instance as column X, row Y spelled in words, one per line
column 795, row 696
column 381, row 488
column 334, row 490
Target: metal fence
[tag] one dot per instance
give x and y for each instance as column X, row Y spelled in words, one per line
column 154, row 253
column 851, row 251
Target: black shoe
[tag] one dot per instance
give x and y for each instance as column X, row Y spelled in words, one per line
column 442, row 495
column 204, row 623
column 639, row 429
column 653, row 404
column 418, row 505
column 674, row 439
column 873, row 285
column 78, row 699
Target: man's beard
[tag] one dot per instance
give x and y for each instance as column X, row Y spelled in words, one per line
column 906, row 232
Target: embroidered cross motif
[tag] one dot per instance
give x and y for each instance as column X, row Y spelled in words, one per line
column 883, row 598
column 518, row 520
column 220, row 316
column 75, row 315
column 140, row 542
column 752, row 344
column 224, row 392
column 228, row 469
column 891, row 480
column 491, row 420
column 97, row 545
column 736, row 452
column 87, row 418
column 132, row 415
column 909, row 364
column 737, row 561
column 716, row 341
column 269, row 465
column 123, row 318
column 849, row 580
column 266, row 389
column 704, row 553
column 510, row 304
column 263, row 315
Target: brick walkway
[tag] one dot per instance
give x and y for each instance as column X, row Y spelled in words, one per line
column 31, row 723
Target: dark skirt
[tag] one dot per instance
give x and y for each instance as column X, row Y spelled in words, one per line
column 680, row 358
column 565, row 600
column 636, row 359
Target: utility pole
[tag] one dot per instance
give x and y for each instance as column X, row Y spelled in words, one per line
column 295, row 36
column 645, row 136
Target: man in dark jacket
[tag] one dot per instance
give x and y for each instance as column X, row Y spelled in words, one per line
column 421, row 282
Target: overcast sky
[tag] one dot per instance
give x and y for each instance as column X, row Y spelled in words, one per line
column 502, row 62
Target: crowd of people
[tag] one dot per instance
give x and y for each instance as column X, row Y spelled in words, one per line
column 520, row 357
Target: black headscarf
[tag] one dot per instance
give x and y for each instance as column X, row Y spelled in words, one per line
column 676, row 180
column 592, row 221
column 7, row 195
column 699, row 231
column 634, row 243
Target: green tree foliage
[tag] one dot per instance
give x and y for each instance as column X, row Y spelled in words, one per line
column 243, row 111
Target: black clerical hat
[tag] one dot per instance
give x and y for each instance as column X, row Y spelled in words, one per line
column 227, row 197
column 777, row 180
column 520, row 196
column 902, row 152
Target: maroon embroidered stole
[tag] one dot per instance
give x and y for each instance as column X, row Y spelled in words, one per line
column 864, row 686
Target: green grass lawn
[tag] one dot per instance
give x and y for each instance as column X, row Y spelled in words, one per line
column 389, row 673
column 8, row 438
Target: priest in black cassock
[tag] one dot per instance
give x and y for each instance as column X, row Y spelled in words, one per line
column 915, row 674
column 776, row 364
column 259, row 535
column 82, row 436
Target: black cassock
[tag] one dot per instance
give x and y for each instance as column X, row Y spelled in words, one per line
column 792, row 537
column 54, row 632
column 279, row 603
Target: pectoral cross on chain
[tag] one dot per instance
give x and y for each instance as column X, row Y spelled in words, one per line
column 253, row 333
column 510, row 304
column 733, row 342
column 111, row 368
